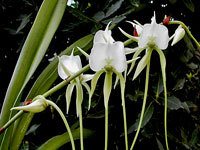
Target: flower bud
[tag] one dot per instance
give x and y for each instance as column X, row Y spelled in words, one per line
column 166, row 20
column 179, row 34
column 37, row 106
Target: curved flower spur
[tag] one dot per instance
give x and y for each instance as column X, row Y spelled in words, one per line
column 67, row 66
column 153, row 36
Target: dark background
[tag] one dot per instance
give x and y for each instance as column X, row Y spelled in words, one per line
column 182, row 60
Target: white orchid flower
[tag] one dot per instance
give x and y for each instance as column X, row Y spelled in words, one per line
column 107, row 52
column 154, row 35
column 69, row 65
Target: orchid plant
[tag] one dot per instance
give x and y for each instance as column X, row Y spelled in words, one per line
column 107, row 56
column 67, row 66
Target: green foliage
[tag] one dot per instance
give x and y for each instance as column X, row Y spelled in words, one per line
column 182, row 75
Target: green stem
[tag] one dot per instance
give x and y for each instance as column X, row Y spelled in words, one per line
column 46, row 94
column 63, row 83
column 106, row 128
column 165, row 114
column 187, row 30
column 125, row 125
column 11, row 121
column 81, row 128
column 64, row 120
column 143, row 106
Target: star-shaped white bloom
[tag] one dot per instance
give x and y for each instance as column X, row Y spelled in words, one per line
column 69, row 65
column 154, row 35
column 107, row 52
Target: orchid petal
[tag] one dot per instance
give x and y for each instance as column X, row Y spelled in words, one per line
column 103, row 36
column 68, row 95
column 97, row 56
column 83, row 52
column 72, row 64
column 79, row 98
column 129, row 36
column 154, row 34
column 107, row 88
column 118, row 56
column 130, row 50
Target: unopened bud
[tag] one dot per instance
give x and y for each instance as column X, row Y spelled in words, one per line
column 179, row 34
column 37, row 106
column 166, row 20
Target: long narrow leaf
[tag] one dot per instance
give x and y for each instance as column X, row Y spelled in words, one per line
column 35, row 46
column 42, row 84
column 57, row 141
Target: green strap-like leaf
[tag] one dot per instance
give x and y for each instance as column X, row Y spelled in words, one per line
column 107, row 88
column 35, row 46
column 93, row 85
column 42, row 84
column 58, row 141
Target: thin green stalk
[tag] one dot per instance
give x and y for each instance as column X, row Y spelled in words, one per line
column 122, row 84
column 165, row 115
column 106, row 128
column 125, row 124
column 163, row 67
column 63, row 83
column 11, row 121
column 49, row 92
column 81, row 128
column 143, row 106
column 64, row 120
column 187, row 30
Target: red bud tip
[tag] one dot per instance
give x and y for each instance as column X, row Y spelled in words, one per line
column 2, row 129
column 166, row 20
column 27, row 102
column 135, row 32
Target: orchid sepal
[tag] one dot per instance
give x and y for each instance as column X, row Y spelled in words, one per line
column 93, row 85
column 68, row 95
column 107, row 88
column 129, row 36
column 134, row 57
column 142, row 63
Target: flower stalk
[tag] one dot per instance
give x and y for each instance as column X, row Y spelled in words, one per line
column 143, row 106
column 64, row 120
